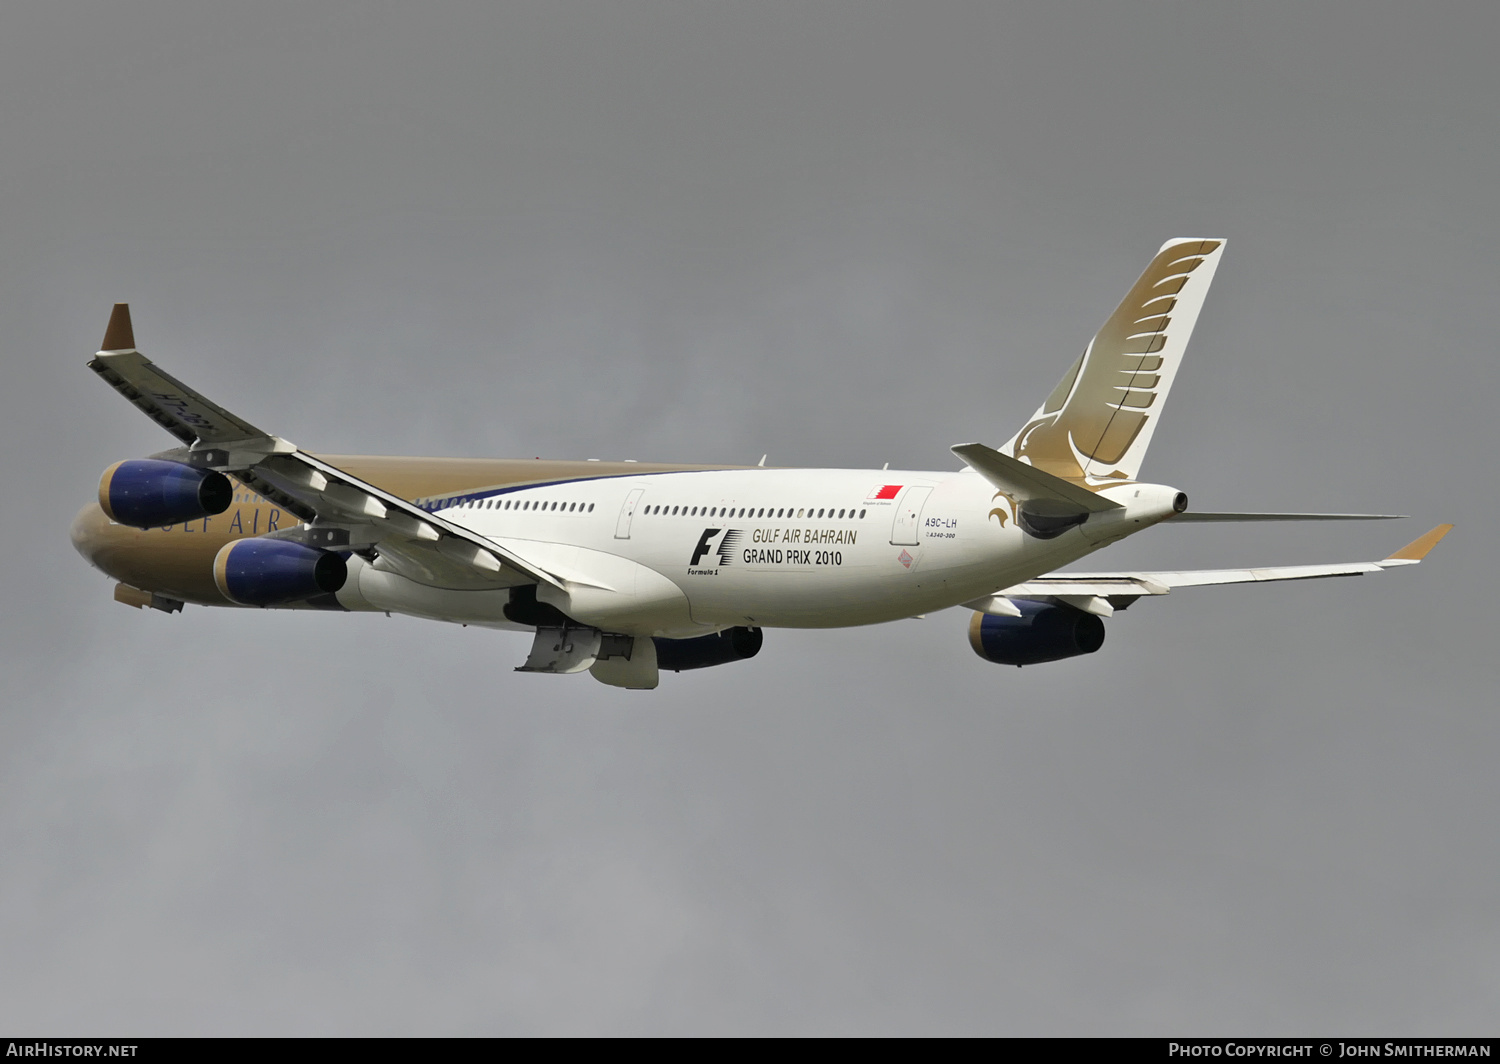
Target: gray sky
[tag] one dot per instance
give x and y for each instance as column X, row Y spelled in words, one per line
column 842, row 233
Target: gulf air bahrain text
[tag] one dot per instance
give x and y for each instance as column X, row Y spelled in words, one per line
column 627, row 569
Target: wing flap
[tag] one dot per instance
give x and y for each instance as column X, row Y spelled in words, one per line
column 1105, row 585
column 428, row 541
column 1100, row 585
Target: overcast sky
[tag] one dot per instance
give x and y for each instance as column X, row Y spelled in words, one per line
column 843, row 233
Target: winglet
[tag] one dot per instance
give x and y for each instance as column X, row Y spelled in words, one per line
column 1417, row 549
column 119, row 336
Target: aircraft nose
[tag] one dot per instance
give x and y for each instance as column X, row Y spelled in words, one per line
column 87, row 532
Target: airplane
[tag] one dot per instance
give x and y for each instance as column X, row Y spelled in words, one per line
column 628, row 569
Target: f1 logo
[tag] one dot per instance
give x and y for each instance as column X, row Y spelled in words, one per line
column 703, row 545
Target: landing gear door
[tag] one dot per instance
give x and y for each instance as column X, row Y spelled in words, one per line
column 627, row 511
column 905, row 530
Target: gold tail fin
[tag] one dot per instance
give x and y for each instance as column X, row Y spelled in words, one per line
column 1097, row 423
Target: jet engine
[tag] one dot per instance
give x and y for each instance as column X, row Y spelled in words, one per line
column 147, row 492
column 732, row 644
column 1043, row 632
column 272, row 572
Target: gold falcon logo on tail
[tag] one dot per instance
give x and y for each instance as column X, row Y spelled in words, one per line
column 1098, row 421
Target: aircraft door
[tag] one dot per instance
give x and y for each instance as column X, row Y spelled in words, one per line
column 905, row 528
column 627, row 511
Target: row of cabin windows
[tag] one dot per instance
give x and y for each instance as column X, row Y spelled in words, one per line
column 663, row 510
column 507, row 504
column 730, row 511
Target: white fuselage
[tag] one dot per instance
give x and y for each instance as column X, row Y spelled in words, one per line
column 684, row 553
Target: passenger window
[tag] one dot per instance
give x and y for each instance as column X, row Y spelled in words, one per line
column 861, row 513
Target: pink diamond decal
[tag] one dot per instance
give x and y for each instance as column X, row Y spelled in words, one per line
column 905, row 559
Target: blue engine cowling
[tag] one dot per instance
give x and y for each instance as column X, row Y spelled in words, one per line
column 271, row 572
column 148, row 493
column 1042, row 633
column 732, row 644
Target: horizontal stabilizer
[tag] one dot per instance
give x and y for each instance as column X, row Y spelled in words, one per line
column 1193, row 515
column 1026, row 483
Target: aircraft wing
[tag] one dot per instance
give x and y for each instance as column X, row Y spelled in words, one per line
column 341, row 510
column 1103, row 593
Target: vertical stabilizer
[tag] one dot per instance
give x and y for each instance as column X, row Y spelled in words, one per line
column 1097, row 423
